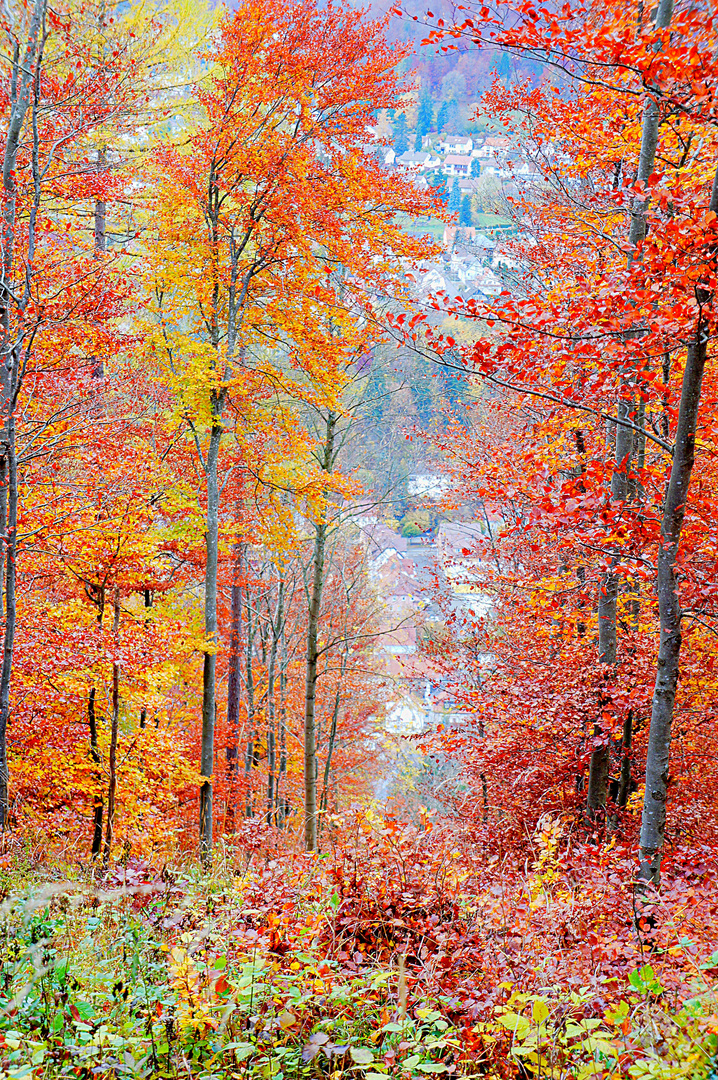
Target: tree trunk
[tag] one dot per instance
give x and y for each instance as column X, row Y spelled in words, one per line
column 624, row 779
column 310, row 693
column 10, row 621
column 607, row 628
column 312, row 656
column 148, row 605
column 653, row 822
column 24, row 80
column 249, row 751
column 210, row 632
column 324, row 800
column 234, row 688
column 112, row 787
column 276, row 621
column 282, row 806
column 608, row 596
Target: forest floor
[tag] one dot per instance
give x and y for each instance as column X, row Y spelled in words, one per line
column 389, row 955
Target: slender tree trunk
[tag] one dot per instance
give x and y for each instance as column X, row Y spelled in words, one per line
column 282, row 777
column 624, row 779
column 114, row 731
column 607, row 627
column 24, row 71
column 312, row 655
column 653, row 822
column 276, row 621
column 249, row 753
column 10, row 621
column 234, row 688
column 324, row 798
column 608, row 597
column 210, row 631
column 148, row 605
column 98, row 803
column 310, row 694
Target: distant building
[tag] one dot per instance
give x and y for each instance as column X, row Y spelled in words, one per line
column 458, row 145
column 417, row 162
column 494, row 147
column 457, row 165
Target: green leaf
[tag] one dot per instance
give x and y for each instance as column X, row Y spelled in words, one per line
column 411, row 1062
column 518, row 1024
column 241, row 1050
column 431, row 1067
column 362, row 1055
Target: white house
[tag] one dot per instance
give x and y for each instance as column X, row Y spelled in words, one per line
column 457, row 145
column 457, row 165
column 417, row 162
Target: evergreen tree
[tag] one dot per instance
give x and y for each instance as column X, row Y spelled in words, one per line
column 455, row 197
column 475, row 167
column 377, row 396
column 465, row 212
column 442, row 117
column 426, row 114
column 401, row 139
column 504, row 68
column 453, row 123
column 439, row 187
column 417, row 142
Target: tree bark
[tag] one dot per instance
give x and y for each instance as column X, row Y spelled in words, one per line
column 114, row 732
column 271, row 710
column 282, row 805
column 312, row 656
column 653, row 821
column 607, row 627
column 23, row 81
column 234, row 688
column 210, row 633
column 624, row 779
column 10, row 621
column 148, row 605
column 608, row 596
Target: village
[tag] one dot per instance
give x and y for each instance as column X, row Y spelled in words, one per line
column 480, row 177
column 419, row 582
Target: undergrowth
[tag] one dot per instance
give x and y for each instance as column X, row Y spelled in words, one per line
column 386, row 958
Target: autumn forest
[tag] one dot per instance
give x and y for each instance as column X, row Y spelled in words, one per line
column 358, row 540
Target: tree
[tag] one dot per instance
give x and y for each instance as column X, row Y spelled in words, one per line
column 442, row 116
column 58, row 301
column 455, row 197
column 246, row 233
column 401, row 138
column 453, row 123
column 439, row 187
column 475, row 167
column 639, row 359
column 425, row 117
column 465, row 212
